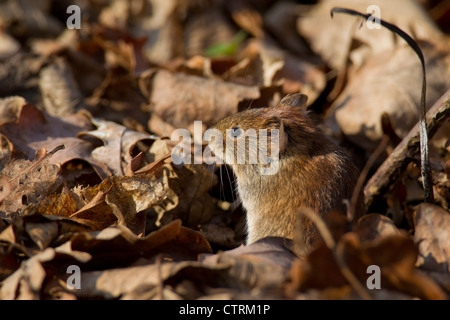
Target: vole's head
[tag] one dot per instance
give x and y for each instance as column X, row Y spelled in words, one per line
column 257, row 136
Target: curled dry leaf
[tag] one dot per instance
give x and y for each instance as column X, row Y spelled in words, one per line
column 118, row 144
column 186, row 187
column 27, row 282
column 432, row 235
column 116, row 199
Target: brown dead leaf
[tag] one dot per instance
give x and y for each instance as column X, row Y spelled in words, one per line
column 269, row 251
column 60, row 93
column 26, row 283
column 28, row 182
column 181, row 99
column 373, row 226
column 118, row 144
column 5, row 187
column 19, row 72
column 247, row 17
column 208, row 26
column 142, row 282
column 263, row 264
column 42, row 233
column 265, row 65
column 35, row 129
column 160, row 22
column 394, row 255
column 432, row 236
column 186, row 187
column 280, row 20
column 24, row 18
column 8, row 46
column 121, row 49
column 10, row 108
column 389, row 82
column 331, row 37
column 116, row 200
column 119, row 246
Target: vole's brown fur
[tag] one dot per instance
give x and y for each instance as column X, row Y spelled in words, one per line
column 313, row 171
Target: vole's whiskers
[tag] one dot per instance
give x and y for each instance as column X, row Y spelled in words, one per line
column 221, row 188
column 231, row 184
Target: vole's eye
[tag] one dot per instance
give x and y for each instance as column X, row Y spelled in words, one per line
column 235, row 132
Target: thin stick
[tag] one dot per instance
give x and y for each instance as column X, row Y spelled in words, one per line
column 337, row 254
column 363, row 175
column 38, row 162
column 399, row 159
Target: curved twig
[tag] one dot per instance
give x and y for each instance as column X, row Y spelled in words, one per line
column 337, row 252
column 424, row 157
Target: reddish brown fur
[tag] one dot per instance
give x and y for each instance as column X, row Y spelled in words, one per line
column 314, row 172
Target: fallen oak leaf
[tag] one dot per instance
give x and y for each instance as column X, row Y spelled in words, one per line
column 118, row 143
column 29, row 182
column 116, row 200
column 186, row 187
column 35, row 129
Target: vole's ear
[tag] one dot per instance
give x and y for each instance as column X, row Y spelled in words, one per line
column 296, row 100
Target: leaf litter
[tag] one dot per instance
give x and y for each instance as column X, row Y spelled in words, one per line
column 86, row 176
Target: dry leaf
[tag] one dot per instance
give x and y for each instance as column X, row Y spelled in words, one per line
column 60, row 93
column 373, row 226
column 389, row 83
column 394, row 255
column 432, row 235
column 181, row 99
column 35, row 129
column 331, row 38
column 118, row 144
